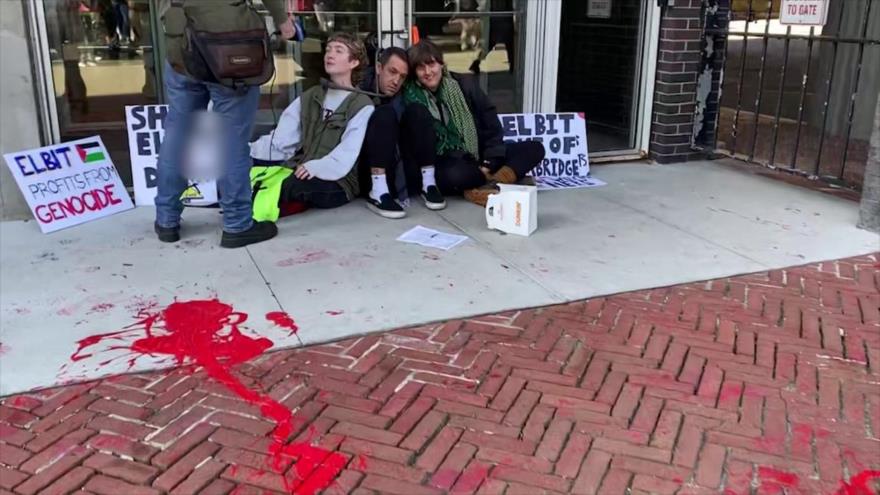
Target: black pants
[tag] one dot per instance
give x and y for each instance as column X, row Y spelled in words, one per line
column 456, row 172
column 380, row 149
column 315, row 193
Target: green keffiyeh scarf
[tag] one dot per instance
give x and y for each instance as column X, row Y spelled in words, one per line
column 459, row 132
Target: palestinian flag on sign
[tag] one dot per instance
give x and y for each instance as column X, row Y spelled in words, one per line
column 90, row 152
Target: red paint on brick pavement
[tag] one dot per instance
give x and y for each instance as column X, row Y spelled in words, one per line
column 773, row 478
column 192, row 335
column 858, row 484
column 283, row 320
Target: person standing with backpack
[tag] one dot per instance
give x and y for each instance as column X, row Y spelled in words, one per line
column 217, row 51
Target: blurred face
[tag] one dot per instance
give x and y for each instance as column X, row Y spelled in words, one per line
column 391, row 75
column 430, row 74
column 338, row 59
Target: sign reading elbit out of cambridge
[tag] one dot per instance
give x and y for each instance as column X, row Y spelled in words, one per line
column 804, row 12
column 564, row 136
column 69, row 183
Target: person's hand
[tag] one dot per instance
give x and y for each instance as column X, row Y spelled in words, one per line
column 288, row 30
column 302, row 173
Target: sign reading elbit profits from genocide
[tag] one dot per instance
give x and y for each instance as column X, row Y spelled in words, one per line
column 804, row 12
column 564, row 136
column 70, row 183
column 145, row 134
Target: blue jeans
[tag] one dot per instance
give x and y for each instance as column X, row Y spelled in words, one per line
column 186, row 96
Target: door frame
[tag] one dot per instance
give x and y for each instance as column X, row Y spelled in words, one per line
column 543, row 24
column 50, row 126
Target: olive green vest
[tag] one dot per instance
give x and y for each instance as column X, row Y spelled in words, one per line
column 320, row 135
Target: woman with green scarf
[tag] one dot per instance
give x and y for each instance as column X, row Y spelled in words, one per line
column 450, row 123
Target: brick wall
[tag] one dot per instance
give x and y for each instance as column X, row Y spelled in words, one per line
column 679, row 61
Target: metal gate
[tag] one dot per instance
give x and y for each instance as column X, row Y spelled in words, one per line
column 798, row 98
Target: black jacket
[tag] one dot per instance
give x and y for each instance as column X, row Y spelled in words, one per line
column 489, row 130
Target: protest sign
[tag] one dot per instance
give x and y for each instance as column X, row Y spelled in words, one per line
column 569, row 183
column 69, row 183
column 145, row 134
column 564, row 136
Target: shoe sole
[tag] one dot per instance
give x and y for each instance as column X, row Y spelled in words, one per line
column 393, row 215
column 168, row 238
column 238, row 243
column 434, row 206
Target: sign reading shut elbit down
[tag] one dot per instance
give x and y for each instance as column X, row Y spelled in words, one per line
column 69, row 183
column 146, row 130
column 804, row 12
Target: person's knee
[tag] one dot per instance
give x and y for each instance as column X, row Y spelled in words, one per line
column 416, row 112
column 535, row 151
column 384, row 118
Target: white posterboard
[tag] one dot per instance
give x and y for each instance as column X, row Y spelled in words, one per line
column 145, row 134
column 69, row 183
column 564, row 136
column 804, row 12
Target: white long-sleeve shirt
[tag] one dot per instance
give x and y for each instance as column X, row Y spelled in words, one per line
column 283, row 142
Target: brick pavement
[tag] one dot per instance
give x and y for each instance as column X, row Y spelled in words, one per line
column 765, row 383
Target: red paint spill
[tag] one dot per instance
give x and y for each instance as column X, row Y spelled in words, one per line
column 3, row 349
column 101, row 308
column 306, row 258
column 22, row 311
column 283, row 320
column 335, row 312
column 859, row 484
column 773, row 478
column 191, row 332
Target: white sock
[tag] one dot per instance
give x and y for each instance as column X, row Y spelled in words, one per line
column 380, row 186
column 428, row 177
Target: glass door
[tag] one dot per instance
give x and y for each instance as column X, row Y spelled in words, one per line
column 607, row 50
column 482, row 37
column 300, row 65
column 99, row 57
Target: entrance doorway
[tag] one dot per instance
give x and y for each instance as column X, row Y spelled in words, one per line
column 97, row 57
column 606, row 51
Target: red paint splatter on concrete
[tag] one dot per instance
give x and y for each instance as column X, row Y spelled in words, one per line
column 102, row 308
column 860, row 484
column 192, row 332
column 283, row 320
column 774, row 479
column 305, row 258
column 22, row 311
column 3, row 349
column 336, row 312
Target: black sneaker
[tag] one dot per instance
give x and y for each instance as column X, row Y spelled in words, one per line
column 259, row 232
column 385, row 207
column 167, row 234
column 434, row 200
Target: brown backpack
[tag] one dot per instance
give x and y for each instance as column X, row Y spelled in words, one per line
column 221, row 46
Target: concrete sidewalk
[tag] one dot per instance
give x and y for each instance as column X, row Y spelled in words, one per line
column 341, row 273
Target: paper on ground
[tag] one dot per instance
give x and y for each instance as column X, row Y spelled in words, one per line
column 545, row 183
column 431, row 238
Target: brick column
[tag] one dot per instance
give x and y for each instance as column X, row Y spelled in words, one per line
column 679, row 58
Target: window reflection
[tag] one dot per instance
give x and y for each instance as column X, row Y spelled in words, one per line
column 102, row 59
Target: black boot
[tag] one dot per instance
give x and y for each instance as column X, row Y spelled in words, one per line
column 259, row 232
